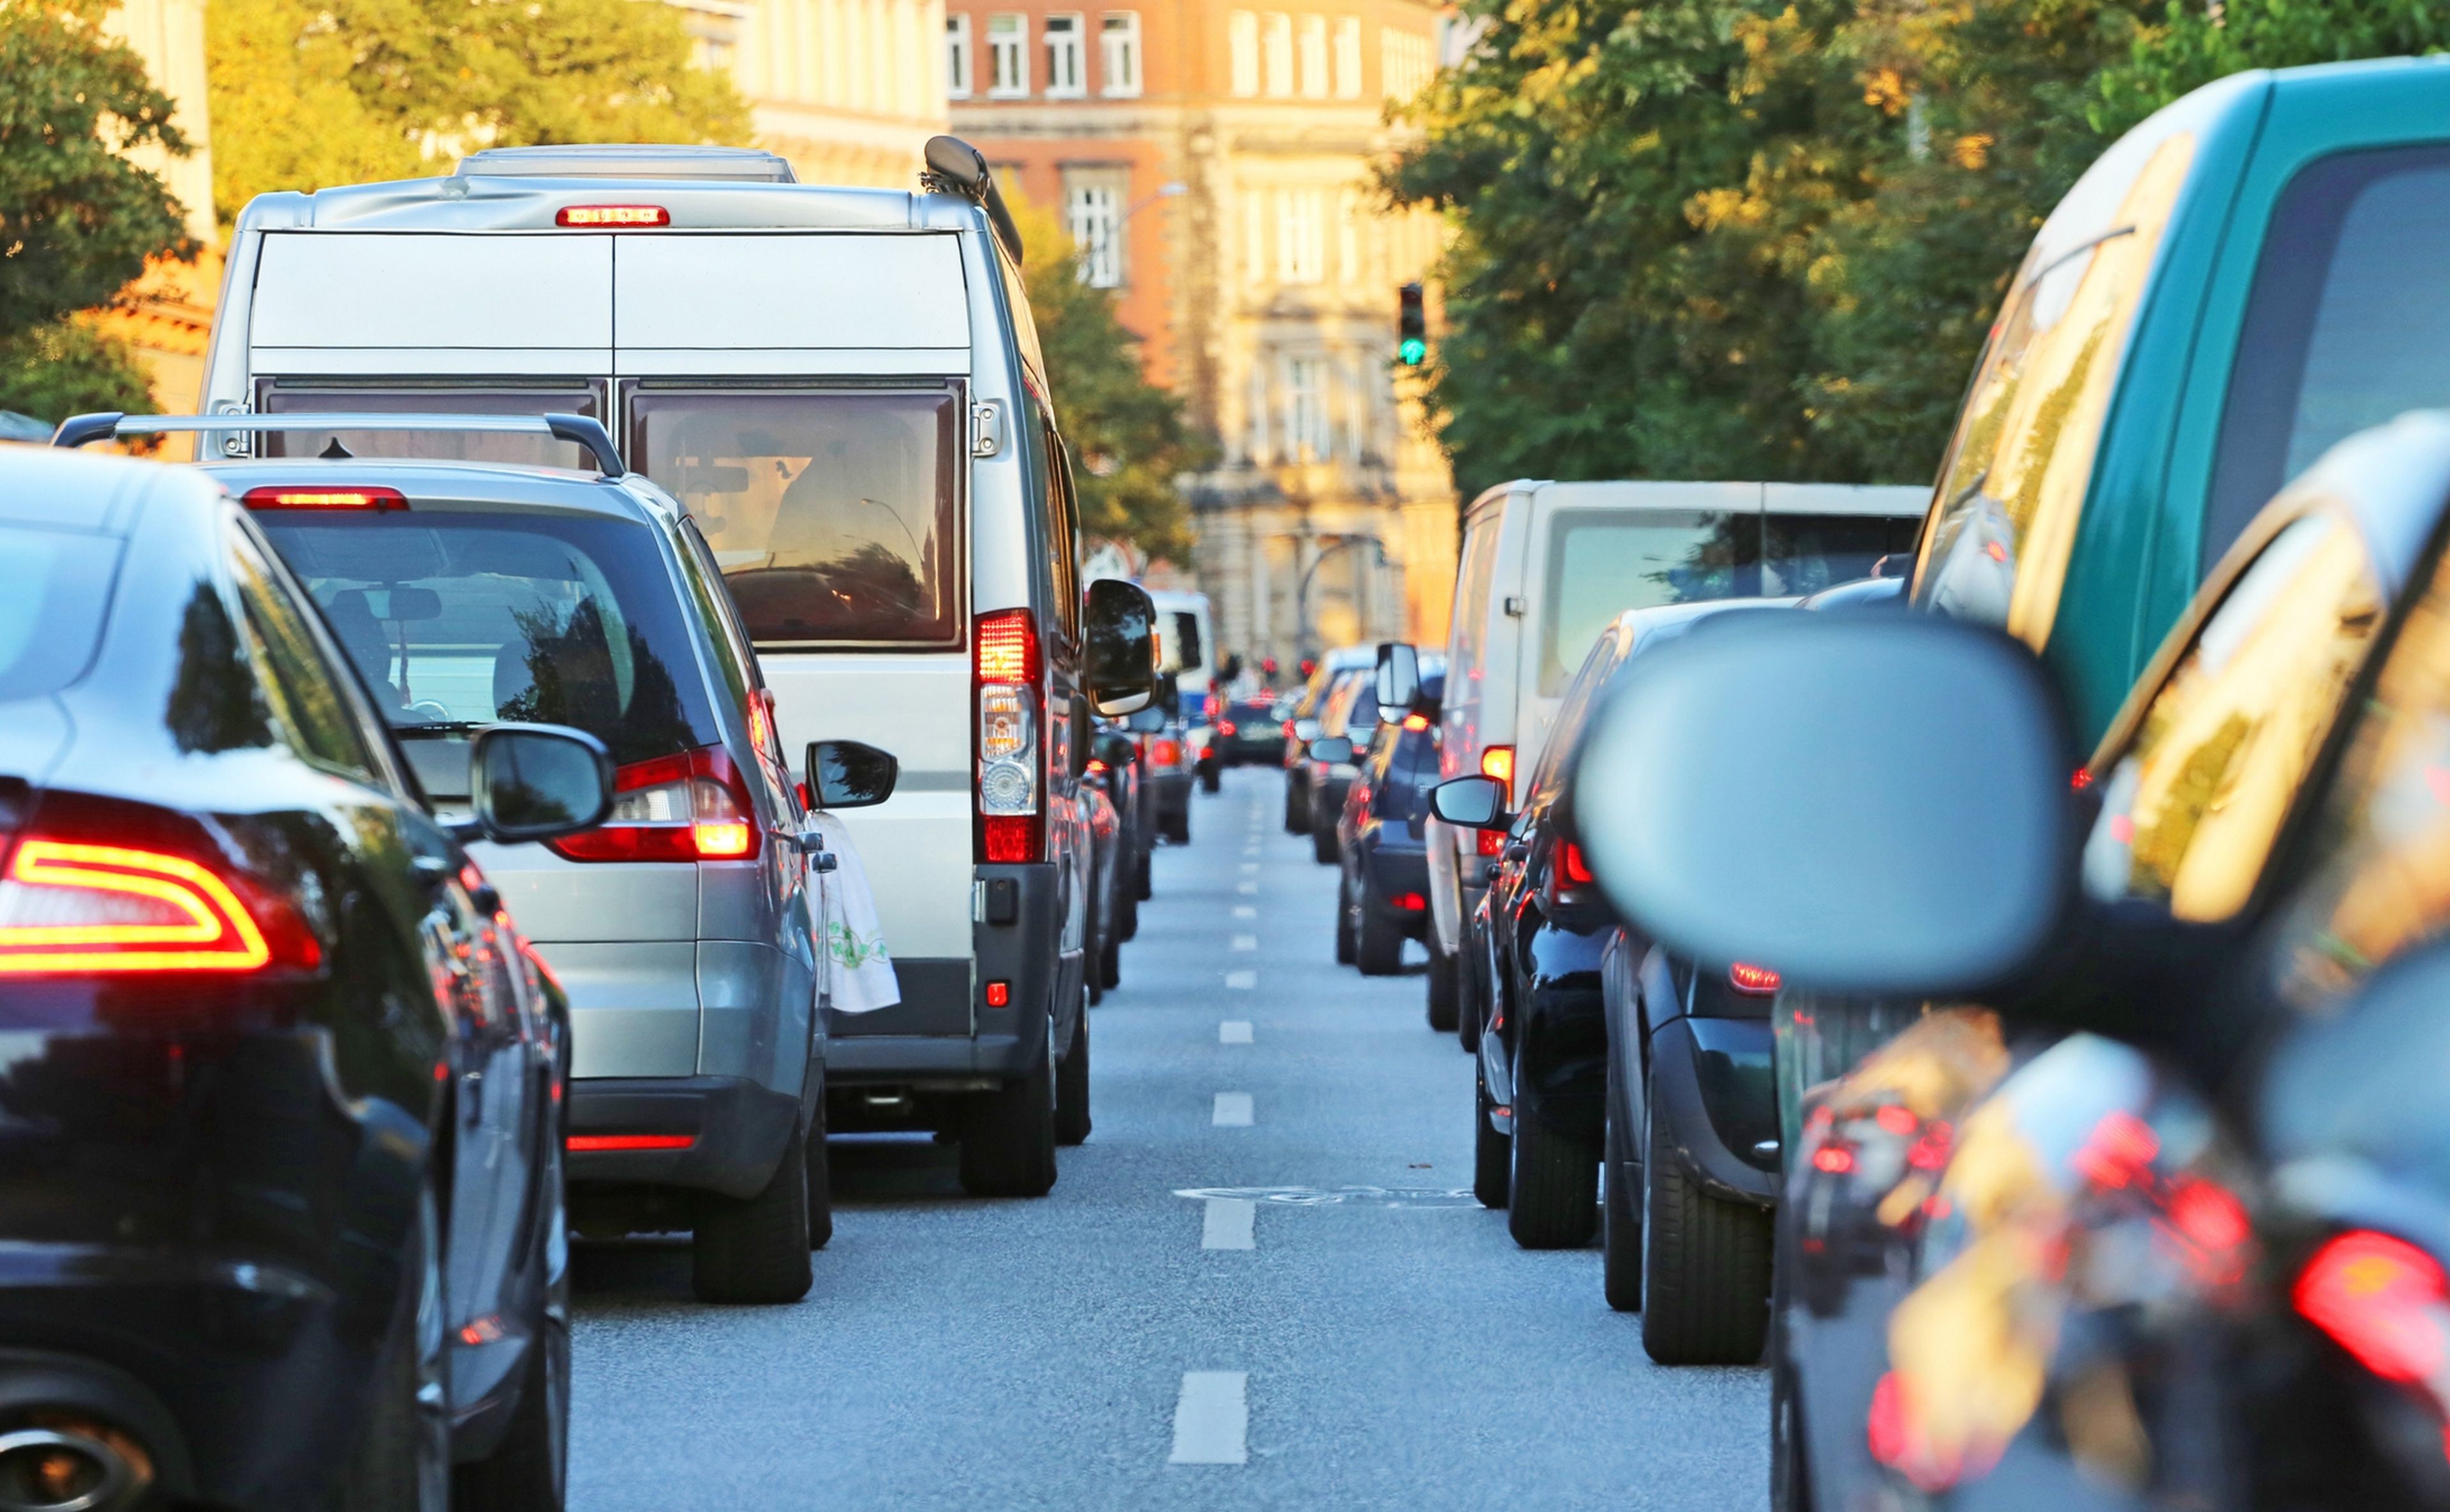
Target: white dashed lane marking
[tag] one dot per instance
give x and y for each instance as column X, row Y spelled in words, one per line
column 1211, row 1417
column 1245, row 911
column 1234, row 1032
column 1248, row 889
column 1233, row 1110
column 1246, row 941
column 1241, row 980
column 1228, row 1223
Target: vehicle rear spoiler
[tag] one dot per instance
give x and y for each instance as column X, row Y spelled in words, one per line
column 579, row 430
column 953, row 167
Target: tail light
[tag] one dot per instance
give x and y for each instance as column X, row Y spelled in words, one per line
column 1416, row 722
column 1011, row 829
column 583, row 1144
column 1167, row 753
column 1227, row 727
column 1491, row 842
column 69, row 907
column 1578, row 872
column 690, row 806
column 1758, row 981
column 1411, row 902
column 377, row 500
column 2383, row 1300
column 601, row 216
column 1289, row 730
column 1498, row 762
column 1096, row 767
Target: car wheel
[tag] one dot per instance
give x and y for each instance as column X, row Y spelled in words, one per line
column 1209, row 779
column 1296, row 812
column 528, row 1471
column 1377, row 943
column 1344, row 919
column 1443, row 1005
column 402, row 1463
column 1322, row 844
column 1071, row 1089
column 1092, row 978
column 820, row 1167
column 755, row 1250
column 1790, row 1464
column 1470, row 1000
column 1552, row 1191
column 1144, row 885
column 1619, row 1205
column 1492, row 1153
column 1127, row 902
column 1177, row 826
column 1706, row 1264
column 1008, row 1141
column 1109, row 963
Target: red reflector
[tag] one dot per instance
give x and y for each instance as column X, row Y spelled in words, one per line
column 1492, row 841
column 582, row 1143
column 604, row 215
column 1416, row 722
column 375, row 499
column 1007, row 649
column 1578, row 872
column 2383, row 1300
column 1752, row 978
column 66, row 907
column 1009, row 836
column 1835, row 1159
column 1411, row 902
column 999, row 995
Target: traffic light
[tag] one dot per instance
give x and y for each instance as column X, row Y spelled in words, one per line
column 1411, row 326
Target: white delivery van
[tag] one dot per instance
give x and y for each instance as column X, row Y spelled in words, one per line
column 844, row 389
column 1545, row 566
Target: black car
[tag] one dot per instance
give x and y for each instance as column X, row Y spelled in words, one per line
column 1114, row 762
column 281, row 1094
column 1381, row 897
column 1246, row 732
column 2147, row 1209
column 1544, row 1089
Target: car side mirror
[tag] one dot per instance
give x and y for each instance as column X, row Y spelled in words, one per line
column 1334, row 749
column 535, row 782
column 1868, row 804
column 1471, row 803
column 850, row 774
column 1121, row 639
column 1305, row 729
column 1399, row 680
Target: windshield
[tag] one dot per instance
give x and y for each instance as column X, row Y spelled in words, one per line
column 54, row 588
column 461, row 621
column 832, row 515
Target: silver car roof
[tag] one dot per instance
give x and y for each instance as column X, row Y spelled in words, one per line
column 492, row 485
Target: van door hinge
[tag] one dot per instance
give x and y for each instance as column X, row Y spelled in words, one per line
column 987, row 428
column 1516, row 605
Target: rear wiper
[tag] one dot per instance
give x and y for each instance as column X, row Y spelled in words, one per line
column 440, row 727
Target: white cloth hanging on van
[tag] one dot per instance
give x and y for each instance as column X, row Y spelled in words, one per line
column 859, row 974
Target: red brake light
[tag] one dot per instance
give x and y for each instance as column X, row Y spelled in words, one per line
column 1834, row 1159
column 2384, row 1301
column 281, row 497
column 1411, row 902
column 1007, row 649
column 1168, row 753
column 1226, row 728
column 610, row 215
column 1009, row 836
column 583, row 1143
column 688, row 806
column 2082, row 780
column 1491, row 842
column 1758, row 979
column 69, row 907
column 1578, row 872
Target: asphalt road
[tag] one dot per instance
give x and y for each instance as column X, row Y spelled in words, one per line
column 1262, row 1283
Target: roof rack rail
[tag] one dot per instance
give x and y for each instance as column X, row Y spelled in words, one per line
column 953, row 167
column 579, row 430
column 628, row 160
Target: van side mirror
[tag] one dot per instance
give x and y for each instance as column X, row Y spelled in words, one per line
column 1471, row 803
column 1399, row 680
column 1334, row 749
column 535, row 782
column 1121, row 635
column 850, row 774
column 1869, row 804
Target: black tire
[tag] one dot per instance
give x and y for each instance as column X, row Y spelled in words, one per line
column 528, row 1471
column 1377, row 945
column 1619, row 1206
column 1323, row 847
column 755, row 1250
column 1790, row 1461
column 1176, row 828
column 1470, row 1010
column 1008, row 1140
column 820, row 1178
column 1492, row 1153
column 1127, row 900
column 1705, row 1265
column 1093, row 979
column 1442, row 1004
column 1109, row 963
column 1071, row 1089
column 402, row 1461
column 1143, row 888
column 1211, row 780
column 1296, row 809
column 1344, row 919
column 1552, row 1191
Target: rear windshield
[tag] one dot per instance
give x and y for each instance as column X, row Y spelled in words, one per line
column 457, row 622
column 832, row 515
column 1603, row 562
column 291, row 397
column 54, row 588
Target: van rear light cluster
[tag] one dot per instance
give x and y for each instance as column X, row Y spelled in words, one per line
column 688, row 806
column 1010, row 747
column 68, row 907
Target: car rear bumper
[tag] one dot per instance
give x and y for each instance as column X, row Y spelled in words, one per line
column 737, row 1131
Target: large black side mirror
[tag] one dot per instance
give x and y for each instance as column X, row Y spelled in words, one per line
column 1399, row 680
column 535, row 782
column 1334, row 749
column 1471, row 803
column 850, row 774
column 1874, row 804
column 1122, row 635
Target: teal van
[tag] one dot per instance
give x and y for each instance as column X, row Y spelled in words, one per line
column 2245, row 278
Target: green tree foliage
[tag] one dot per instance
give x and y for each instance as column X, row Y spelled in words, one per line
column 305, row 95
column 1129, row 438
column 77, row 220
column 2189, row 47
column 66, row 367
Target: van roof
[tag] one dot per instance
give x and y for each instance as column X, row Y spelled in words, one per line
column 626, row 161
column 495, row 485
column 529, row 200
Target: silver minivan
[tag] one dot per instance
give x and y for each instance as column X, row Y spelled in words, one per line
column 684, row 927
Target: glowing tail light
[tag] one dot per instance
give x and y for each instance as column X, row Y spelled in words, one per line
column 1758, row 979
column 1411, row 902
column 1228, row 728
column 583, row 1144
column 1578, row 871
column 377, row 500
column 73, row 909
column 1490, row 842
column 1416, row 722
column 599, row 217
column 1006, row 670
column 2383, row 1300
column 1167, row 754
column 690, row 807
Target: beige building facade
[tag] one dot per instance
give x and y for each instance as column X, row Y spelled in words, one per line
column 848, row 90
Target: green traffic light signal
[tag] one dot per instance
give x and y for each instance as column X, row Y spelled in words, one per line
column 1412, row 325
column 1414, row 351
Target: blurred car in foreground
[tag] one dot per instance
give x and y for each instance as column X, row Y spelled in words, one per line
column 2156, row 1221
column 282, row 1217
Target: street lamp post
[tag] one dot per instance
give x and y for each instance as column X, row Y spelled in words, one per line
column 1301, row 591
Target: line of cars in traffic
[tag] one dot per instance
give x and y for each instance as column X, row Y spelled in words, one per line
column 401, row 868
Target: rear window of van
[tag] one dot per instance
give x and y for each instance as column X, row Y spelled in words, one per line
column 833, row 515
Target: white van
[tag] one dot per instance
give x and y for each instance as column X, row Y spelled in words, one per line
column 844, row 389
column 1545, row 566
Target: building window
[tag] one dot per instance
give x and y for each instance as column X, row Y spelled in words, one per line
column 960, row 66
column 1242, row 45
column 1007, row 56
column 1280, row 53
column 1403, row 63
column 1306, row 429
column 1067, row 70
column 1348, row 58
column 1255, row 239
column 1301, row 237
column 1118, row 42
column 1348, row 212
column 1093, row 213
column 1313, row 57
